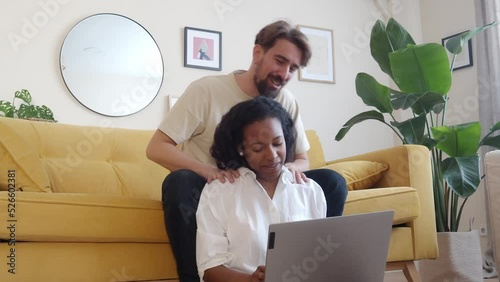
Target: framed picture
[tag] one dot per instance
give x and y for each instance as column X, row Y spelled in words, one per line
column 321, row 67
column 463, row 59
column 202, row 48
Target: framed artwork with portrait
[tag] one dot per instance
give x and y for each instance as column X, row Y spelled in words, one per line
column 202, row 48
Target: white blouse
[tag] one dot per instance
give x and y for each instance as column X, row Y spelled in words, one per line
column 233, row 218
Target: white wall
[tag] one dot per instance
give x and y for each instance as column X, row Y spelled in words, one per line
column 34, row 65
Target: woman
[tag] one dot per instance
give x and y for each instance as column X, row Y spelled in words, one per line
column 256, row 138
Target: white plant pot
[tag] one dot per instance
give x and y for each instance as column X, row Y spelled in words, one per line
column 459, row 259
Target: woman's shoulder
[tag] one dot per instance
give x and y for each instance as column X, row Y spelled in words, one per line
column 226, row 187
column 309, row 185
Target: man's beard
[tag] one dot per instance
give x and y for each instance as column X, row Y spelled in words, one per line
column 263, row 88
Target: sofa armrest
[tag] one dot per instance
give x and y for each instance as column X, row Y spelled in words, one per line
column 410, row 165
column 404, row 161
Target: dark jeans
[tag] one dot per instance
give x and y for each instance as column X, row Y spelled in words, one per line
column 181, row 192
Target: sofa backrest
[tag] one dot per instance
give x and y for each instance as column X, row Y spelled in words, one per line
column 61, row 158
column 315, row 153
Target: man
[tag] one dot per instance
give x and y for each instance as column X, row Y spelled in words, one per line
column 279, row 51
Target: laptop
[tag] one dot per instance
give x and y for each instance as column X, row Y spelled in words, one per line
column 346, row 248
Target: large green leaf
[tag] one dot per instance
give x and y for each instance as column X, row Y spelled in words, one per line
column 440, row 107
column 412, row 129
column 462, row 174
column 421, row 103
column 427, row 103
column 357, row 119
column 398, row 35
column 373, row 93
column 402, row 101
column 380, row 47
column 421, row 68
column 455, row 44
column 429, row 142
column 493, row 141
column 495, row 127
column 459, row 140
column 387, row 40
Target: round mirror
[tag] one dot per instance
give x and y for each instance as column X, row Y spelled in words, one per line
column 111, row 65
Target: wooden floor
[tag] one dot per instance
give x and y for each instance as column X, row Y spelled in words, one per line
column 390, row 276
column 397, row 276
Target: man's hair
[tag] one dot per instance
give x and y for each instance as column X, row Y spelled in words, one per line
column 228, row 137
column 281, row 29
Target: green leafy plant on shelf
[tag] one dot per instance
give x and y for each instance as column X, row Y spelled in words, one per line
column 423, row 76
column 25, row 110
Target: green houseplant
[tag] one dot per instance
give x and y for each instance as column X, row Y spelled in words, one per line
column 25, row 110
column 423, row 76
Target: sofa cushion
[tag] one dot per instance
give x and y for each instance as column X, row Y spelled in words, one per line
column 70, row 217
column 66, row 158
column 18, row 153
column 93, row 262
column 100, row 160
column 404, row 201
column 359, row 174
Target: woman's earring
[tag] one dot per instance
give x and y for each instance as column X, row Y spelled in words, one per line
column 241, row 153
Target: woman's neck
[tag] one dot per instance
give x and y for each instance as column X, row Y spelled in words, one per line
column 269, row 185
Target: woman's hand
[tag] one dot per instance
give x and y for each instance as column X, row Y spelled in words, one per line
column 259, row 274
column 213, row 173
column 224, row 274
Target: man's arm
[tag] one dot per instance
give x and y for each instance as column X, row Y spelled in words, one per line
column 163, row 151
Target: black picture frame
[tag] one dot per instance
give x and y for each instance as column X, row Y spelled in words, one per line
column 464, row 59
column 202, row 48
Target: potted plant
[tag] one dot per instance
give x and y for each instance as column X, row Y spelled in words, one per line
column 423, row 77
column 25, row 110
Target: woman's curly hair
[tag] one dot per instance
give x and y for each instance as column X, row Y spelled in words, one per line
column 228, row 136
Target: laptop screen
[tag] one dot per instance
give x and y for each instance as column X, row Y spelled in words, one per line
column 345, row 248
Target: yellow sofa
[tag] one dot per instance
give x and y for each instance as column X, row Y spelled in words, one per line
column 83, row 203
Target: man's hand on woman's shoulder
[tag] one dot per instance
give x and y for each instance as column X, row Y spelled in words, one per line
column 213, row 173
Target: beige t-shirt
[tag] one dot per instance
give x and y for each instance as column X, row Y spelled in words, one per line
column 194, row 117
